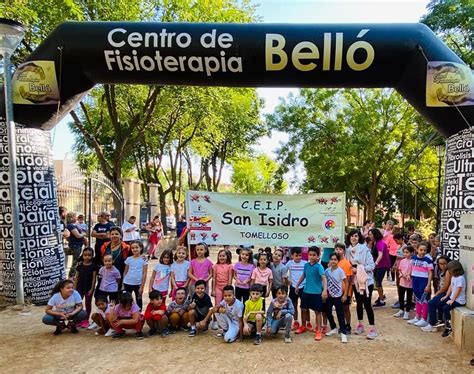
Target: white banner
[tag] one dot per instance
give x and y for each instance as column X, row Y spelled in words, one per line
column 284, row 220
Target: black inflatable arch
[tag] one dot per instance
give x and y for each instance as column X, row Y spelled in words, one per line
column 252, row 55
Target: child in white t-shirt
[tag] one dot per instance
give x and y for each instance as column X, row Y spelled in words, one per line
column 294, row 270
column 455, row 296
column 134, row 276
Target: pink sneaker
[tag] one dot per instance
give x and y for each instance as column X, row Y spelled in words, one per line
column 359, row 329
column 84, row 324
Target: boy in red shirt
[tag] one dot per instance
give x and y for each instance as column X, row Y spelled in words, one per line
column 155, row 314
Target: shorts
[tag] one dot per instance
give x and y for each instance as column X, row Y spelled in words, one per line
column 200, row 317
column 312, row 301
column 294, row 296
column 379, row 274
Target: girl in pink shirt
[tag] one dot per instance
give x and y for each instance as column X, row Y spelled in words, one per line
column 222, row 273
column 405, row 285
column 201, row 267
column 262, row 274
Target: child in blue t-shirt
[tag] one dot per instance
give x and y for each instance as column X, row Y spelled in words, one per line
column 314, row 291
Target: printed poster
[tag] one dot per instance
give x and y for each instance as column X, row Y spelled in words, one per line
column 449, row 84
column 35, row 83
column 283, row 220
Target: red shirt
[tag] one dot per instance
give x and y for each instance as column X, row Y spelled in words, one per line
column 150, row 307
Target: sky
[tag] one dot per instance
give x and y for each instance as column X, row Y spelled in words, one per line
column 293, row 11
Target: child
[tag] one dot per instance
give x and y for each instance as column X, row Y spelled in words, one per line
column 84, row 280
column 405, row 285
column 421, row 274
column 280, row 314
column 294, row 269
column 81, row 224
column 110, row 277
column 278, row 272
column 455, row 295
column 314, row 291
column 400, row 246
column 179, row 271
column 160, row 278
column 64, row 308
column 126, row 315
column 101, row 317
column 201, row 267
column 254, row 313
column 229, row 316
column 435, row 314
column 337, row 294
column 243, row 274
column 221, row 277
column 345, row 265
column 135, row 272
column 178, row 310
column 262, row 275
column 155, row 315
column 200, row 310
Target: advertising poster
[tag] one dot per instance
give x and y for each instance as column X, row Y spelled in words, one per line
column 285, row 220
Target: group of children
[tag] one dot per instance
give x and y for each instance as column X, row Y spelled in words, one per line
column 239, row 310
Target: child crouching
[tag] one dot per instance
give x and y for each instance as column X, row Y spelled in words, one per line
column 126, row 315
column 100, row 318
column 178, row 310
column 200, row 310
column 280, row 314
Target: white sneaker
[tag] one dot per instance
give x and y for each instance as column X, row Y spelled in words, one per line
column 214, row 325
column 331, row 332
column 92, row 326
column 399, row 314
column 413, row 321
column 406, row 316
column 109, row 333
column 343, row 338
column 428, row 328
column 421, row 323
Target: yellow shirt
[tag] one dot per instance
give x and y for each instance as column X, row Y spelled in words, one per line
column 253, row 306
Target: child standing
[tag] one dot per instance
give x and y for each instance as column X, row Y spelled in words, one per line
column 229, row 316
column 160, row 278
column 421, row 274
column 280, row 313
column 126, row 315
column 314, row 291
column 221, row 277
column 135, row 272
column 254, row 313
column 200, row 309
column 243, row 274
column 110, row 276
column 278, row 272
column 294, row 270
column 346, row 266
column 101, row 317
column 201, row 266
column 405, row 285
column 84, row 281
column 262, row 275
column 179, row 271
column 178, row 310
column 337, row 294
column 155, row 315
column 64, row 308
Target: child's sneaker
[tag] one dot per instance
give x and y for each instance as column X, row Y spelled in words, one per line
column 324, row 330
column 165, row 333
column 318, row 336
column 406, row 316
column 359, row 329
column 110, row 332
column 152, row 332
column 399, row 313
column 92, row 326
column 72, row 327
column 118, row 335
column 220, row 335
column 258, row 339
column 309, row 326
column 288, row 339
column 192, row 332
column 300, row 330
column 439, row 324
column 331, row 332
column 420, row 323
column 296, row 325
column 343, row 338
column 413, row 321
column 396, row 305
column 84, row 324
column 214, row 325
column 371, row 334
column 428, row 328
column 139, row 336
column 379, row 303
column 447, row 331
column 59, row 329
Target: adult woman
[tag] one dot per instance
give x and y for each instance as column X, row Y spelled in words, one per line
column 77, row 240
column 362, row 267
column 117, row 248
column 155, row 228
column 381, row 256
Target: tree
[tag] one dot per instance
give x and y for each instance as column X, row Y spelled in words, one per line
column 256, row 176
column 349, row 140
column 453, row 20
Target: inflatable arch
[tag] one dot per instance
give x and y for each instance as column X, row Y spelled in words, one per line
column 77, row 56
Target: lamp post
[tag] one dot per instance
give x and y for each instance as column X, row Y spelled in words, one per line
column 11, row 35
column 440, row 150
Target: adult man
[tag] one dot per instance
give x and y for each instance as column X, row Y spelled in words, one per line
column 130, row 230
column 101, row 234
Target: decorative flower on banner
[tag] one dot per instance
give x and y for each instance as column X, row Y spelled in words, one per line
column 334, row 200
column 207, row 198
column 214, row 236
column 335, row 239
column 322, row 201
column 324, row 239
column 311, row 239
column 203, row 235
column 193, row 236
column 195, row 197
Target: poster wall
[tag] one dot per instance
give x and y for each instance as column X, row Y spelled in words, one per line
column 289, row 220
column 41, row 247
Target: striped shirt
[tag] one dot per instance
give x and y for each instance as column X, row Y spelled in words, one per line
column 421, row 267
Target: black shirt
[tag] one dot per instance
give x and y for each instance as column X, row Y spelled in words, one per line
column 203, row 304
column 85, row 272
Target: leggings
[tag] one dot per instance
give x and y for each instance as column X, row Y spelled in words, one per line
column 242, row 294
column 393, row 259
column 365, row 302
column 135, row 289
column 336, row 301
column 88, row 302
column 401, row 298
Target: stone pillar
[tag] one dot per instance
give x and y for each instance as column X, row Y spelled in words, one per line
column 41, row 240
column 458, row 197
column 154, row 200
column 132, row 197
